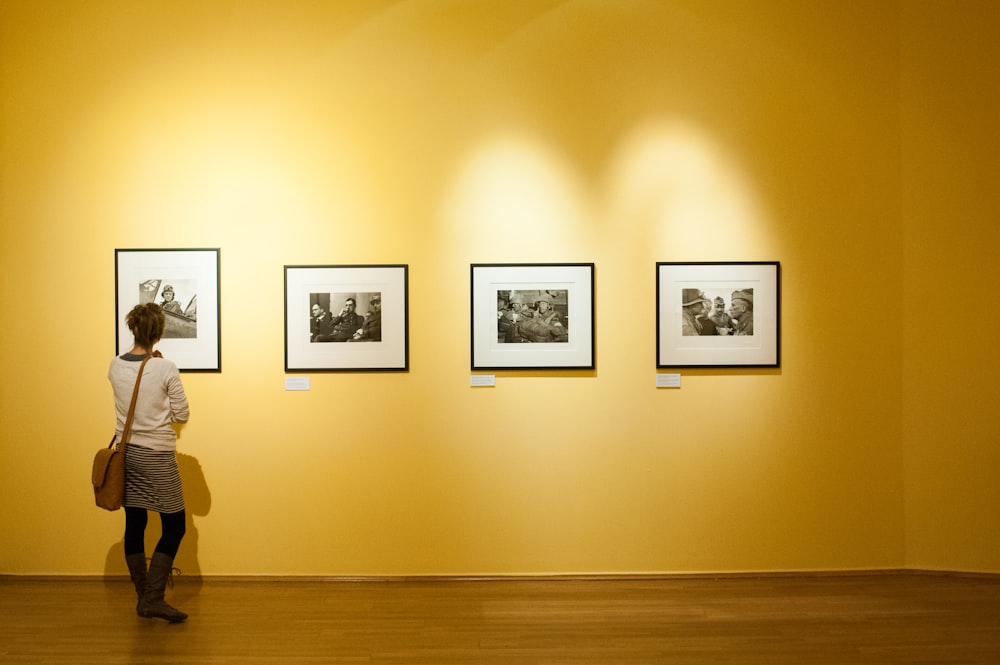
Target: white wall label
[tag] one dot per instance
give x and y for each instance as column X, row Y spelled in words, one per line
column 668, row 380
column 296, row 383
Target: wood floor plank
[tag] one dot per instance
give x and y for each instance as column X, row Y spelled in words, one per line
column 886, row 619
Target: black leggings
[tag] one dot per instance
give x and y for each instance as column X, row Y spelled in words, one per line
column 135, row 531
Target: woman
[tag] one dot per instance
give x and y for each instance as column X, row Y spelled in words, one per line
column 152, row 480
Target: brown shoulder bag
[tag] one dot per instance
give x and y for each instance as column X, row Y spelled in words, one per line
column 108, row 474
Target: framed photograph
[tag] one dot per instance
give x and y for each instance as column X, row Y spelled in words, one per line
column 718, row 314
column 185, row 282
column 533, row 316
column 346, row 318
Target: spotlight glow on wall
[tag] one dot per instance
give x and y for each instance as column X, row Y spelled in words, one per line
column 674, row 180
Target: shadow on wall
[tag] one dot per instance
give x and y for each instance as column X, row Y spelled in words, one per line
column 197, row 502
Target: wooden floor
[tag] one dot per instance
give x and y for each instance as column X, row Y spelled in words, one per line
column 891, row 618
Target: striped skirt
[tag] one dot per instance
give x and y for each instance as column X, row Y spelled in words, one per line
column 152, row 480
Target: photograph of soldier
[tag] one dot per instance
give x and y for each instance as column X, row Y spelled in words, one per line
column 695, row 307
column 179, row 301
column 705, row 312
column 742, row 311
column 335, row 317
column 536, row 316
column 721, row 322
column 371, row 329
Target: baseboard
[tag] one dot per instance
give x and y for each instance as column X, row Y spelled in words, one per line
column 542, row 577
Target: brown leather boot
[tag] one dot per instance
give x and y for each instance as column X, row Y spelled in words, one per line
column 152, row 603
column 137, row 571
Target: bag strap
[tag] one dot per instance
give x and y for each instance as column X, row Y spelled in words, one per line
column 131, row 408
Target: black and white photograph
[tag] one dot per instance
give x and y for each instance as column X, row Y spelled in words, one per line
column 179, row 300
column 533, row 316
column 179, row 280
column 346, row 318
column 718, row 314
column 537, row 316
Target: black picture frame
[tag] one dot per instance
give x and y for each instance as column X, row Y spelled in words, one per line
column 190, row 277
column 748, row 291
column 532, row 316
column 324, row 334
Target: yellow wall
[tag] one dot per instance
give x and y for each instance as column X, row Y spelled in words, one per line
column 951, row 207
column 440, row 134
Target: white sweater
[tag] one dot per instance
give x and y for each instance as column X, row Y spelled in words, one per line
column 161, row 401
